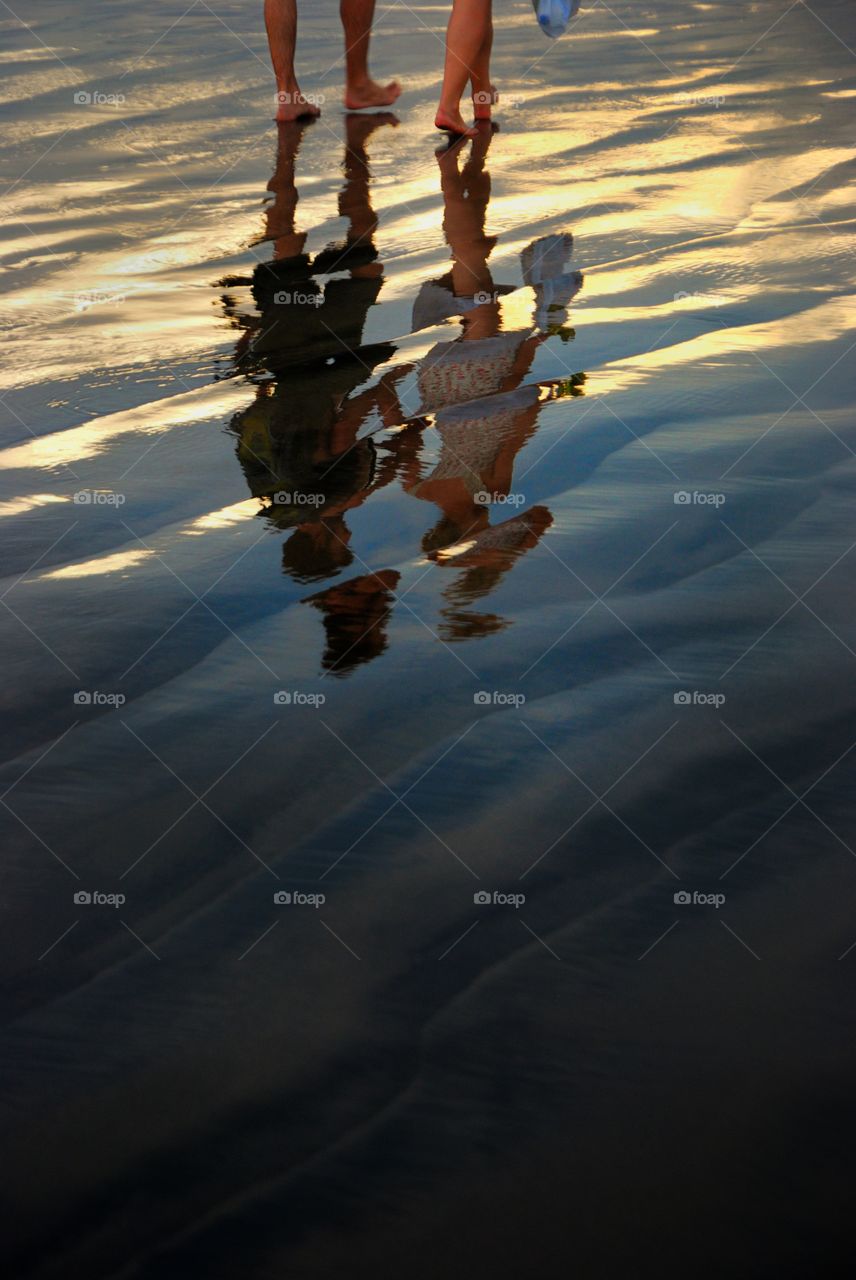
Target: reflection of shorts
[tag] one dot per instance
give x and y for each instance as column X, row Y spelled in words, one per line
column 455, row 372
column 309, row 333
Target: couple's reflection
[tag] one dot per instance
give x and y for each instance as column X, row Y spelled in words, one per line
column 336, row 419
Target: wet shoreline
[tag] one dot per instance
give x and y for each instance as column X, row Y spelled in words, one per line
column 465, row 539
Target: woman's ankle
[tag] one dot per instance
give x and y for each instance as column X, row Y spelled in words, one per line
column 449, row 106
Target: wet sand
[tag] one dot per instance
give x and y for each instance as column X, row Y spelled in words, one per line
column 417, row 528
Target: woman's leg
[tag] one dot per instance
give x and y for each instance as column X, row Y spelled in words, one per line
column 466, row 35
column 484, row 93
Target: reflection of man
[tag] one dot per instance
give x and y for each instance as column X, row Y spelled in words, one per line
column 303, row 323
column 355, row 616
column 360, row 90
column 299, row 443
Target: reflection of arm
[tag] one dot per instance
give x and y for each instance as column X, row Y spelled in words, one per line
column 399, row 455
column 523, row 357
column 405, row 446
column 382, row 398
column 389, row 397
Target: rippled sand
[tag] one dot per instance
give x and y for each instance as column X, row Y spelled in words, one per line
column 418, row 528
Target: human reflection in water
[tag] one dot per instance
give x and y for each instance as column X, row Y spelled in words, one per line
column 300, row 444
column 474, row 387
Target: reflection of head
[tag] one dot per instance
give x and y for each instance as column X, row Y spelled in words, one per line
column 447, row 531
column 491, row 553
column 459, row 624
column 317, row 551
column 355, row 617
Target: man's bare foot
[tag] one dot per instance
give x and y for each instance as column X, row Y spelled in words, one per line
column 453, row 122
column 291, row 104
column 368, row 93
column 483, row 100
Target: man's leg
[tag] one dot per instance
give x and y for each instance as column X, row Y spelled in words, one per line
column 360, row 89
column 281, row 23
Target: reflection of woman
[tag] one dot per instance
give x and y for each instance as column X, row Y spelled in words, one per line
column 472, row 384
column 305, row 435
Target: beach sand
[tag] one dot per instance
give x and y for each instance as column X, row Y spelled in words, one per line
column 411, row 530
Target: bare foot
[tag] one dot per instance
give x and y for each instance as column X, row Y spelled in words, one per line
column 453, row 122
column 292, row 105
column 483, row 100
column 369, row 93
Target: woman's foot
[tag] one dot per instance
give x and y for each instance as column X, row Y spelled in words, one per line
column 368, row 93
column 291, row 105
column 453, row 122
column 483, row 100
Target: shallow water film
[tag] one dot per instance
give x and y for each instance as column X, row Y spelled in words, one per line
column 430, row 663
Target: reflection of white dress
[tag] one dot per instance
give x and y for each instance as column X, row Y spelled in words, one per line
column 455, row 372
column 474, row 435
